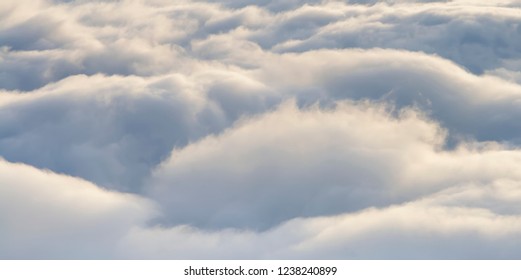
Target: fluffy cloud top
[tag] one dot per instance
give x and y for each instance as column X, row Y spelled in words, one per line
column 280, row 129
column 45, row 215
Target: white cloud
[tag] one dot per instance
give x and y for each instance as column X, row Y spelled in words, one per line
column 425, row 229
column 64, row 217
column 279, row 129
column 293, row 163
column 288, row 164
column 45, row 215
column 110, row 130
column 480, row 107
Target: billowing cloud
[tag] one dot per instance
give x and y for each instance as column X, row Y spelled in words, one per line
column 279, row 129
column 430, row 228
column 113, row 130
column 472, row 106
column 45, row 215
column 319, row 162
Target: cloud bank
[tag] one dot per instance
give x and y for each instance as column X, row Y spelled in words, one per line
column 284, row 129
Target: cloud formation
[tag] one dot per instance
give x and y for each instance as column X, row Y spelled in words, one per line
column 283, row 129
column 316, row 163
column 46, row 215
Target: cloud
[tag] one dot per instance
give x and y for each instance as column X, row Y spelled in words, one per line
column 279, row 129
column 479, row 107
column 102, row 128
column 477, row 37
column 46, row 215
column 288, row 164
column 72, row 218
column 86, row 38
column 411, row 231
column 113, row 130
column 317, row 162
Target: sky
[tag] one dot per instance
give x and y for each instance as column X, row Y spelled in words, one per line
column 293, row 129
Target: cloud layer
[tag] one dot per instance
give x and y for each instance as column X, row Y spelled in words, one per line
column 284, row 129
